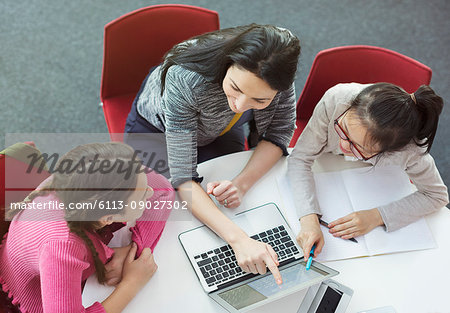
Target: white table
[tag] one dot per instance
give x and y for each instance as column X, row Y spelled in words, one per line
column 410, row 281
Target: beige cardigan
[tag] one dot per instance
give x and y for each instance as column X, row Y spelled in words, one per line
column 319, row 137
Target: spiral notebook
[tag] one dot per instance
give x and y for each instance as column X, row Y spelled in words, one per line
column 341, row 193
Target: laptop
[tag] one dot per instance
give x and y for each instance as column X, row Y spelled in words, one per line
column 216, row 267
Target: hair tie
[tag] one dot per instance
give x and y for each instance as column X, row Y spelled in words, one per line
column 413, row 97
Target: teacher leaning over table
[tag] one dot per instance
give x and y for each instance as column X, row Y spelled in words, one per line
column 200, row 96
column 380, row 124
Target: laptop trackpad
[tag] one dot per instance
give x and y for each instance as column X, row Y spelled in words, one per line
column 263, row 288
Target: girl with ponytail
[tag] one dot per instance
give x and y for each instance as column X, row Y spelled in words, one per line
column 49, row 253
column 380, row 124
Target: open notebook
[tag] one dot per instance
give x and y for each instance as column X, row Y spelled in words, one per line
column 341, row 193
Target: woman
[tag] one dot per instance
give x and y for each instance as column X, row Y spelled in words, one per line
column 200, row 96
column 49, row 253
column 380, row 124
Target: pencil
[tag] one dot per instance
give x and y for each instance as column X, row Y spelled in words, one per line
column 322, row 222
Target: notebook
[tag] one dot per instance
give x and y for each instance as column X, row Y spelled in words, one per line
column 341, row 193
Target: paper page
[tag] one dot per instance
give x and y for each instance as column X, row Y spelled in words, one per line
column 334, row 203
column 337, row 248
column 372, row 187
column 287, row 202
column 332, row 196
column 415, row 236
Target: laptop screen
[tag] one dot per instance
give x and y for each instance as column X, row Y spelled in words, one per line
column 265, row 287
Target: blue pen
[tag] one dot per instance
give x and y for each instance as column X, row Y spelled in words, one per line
column 311, row 254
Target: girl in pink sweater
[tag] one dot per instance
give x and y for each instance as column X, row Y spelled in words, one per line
column 49, row 252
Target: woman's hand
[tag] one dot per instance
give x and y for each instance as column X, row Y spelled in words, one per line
column 226, row 190
column 115, row 265
column 254, row 256
column 356, row 224
column 309, row 235
column 138, row 272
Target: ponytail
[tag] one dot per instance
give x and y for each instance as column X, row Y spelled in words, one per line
column 393, row 118
column 429, row 105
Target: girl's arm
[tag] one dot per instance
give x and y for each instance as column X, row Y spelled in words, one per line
column 431, row 194
column 308, row 148
column 136, row 273
column 148, row 228
column 61, row 266
column 150, row 225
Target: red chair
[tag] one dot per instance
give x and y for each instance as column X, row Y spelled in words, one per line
column 134, row 43
column 16, row 180
column 360, row 64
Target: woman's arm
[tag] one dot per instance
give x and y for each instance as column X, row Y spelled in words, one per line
column 262, row 160
column 253, row 256
column 273, row 145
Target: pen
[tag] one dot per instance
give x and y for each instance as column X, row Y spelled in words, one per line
column 311, row 254
column 322, row 222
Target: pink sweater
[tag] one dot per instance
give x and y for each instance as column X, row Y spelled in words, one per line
column 43, row 265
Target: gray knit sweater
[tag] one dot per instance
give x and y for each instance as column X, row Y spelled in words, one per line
column 319, row 136
column 193, row 112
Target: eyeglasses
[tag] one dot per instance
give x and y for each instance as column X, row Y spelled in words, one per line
column 343, row 135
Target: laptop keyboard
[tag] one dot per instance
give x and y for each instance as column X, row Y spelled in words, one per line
column 219, row 266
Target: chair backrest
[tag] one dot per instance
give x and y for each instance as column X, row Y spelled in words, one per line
column 360, row 64
column 16, row 179
column 135, row 42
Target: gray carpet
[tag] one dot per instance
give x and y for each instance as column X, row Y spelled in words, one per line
column 51, row 51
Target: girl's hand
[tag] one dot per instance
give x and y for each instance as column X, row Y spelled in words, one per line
column 356, row 224
column 254, row 256
column 225, row 190
column 138, row 272
column 115, row 266
column 309, row 235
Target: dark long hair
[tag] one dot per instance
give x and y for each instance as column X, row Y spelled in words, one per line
column 89, row 181
column 269, row 52
column 394, row 118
